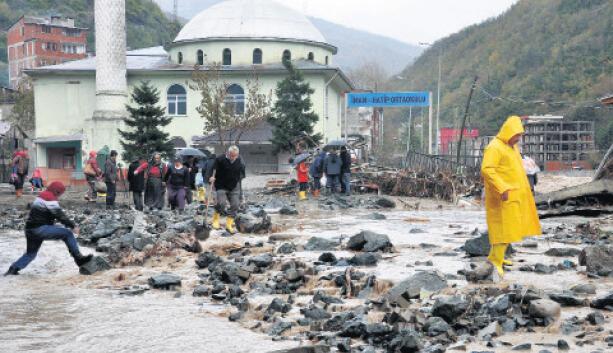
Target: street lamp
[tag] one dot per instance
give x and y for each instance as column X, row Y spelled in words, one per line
column 438, row 93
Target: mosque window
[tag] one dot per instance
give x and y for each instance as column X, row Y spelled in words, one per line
column 287, row 55
column 227, row 57
column 327, row 60
column 180, row 58
column 311, row 56
column 200, row 58
column 257, row 56
column 177, row 100
column 235, row 99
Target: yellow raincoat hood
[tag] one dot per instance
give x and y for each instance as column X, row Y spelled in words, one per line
column 510, row 128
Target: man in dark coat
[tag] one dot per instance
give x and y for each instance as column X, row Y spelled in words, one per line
column 226, row 174
column 40, row 226
column 345, row 171
column 332, row 168
column 110, row 179
column 317, row 171
column 137, row 183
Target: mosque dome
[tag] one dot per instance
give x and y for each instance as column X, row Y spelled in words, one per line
column 250, row 19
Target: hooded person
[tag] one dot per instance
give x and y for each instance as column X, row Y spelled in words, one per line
column 40, row 226
column 509, row 204
column 20, row 171
column 332, row 169
column 317, row 171
column 92, row 172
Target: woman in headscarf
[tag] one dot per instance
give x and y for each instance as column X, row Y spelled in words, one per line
column 154, row 185
column 92, row 172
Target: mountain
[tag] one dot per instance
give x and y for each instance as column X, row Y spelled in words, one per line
column 539, row 57
column 355, row 47
column 147, row 25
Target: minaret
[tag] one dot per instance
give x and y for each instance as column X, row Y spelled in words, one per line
column 111, row 80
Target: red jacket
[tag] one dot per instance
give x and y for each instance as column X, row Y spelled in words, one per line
column 155, row 171
column 303, row 172
column 95, row 165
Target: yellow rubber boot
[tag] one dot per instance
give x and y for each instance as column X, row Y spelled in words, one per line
column 302, row 195
column 230, row 225
column 507, row 262
column 496, row 257
column 201, row 194
column 215, row 224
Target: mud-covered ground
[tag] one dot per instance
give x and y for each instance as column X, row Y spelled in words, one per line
column 300, row 284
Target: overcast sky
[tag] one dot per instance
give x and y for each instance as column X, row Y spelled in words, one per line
column 411, row 21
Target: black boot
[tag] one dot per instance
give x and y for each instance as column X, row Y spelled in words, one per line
column 12, row 271
column 81, row 260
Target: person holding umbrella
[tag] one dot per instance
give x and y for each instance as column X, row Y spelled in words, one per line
column 332, row 169
column 317, row 171
column 226, row 174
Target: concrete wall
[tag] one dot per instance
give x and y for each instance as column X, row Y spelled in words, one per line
column 242, row 52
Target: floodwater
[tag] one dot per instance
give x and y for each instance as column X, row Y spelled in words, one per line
column 51, row 308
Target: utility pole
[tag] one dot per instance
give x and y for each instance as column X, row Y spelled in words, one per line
column 470, row 96
column 438, row 101
column 430, row 123
column 409, row 130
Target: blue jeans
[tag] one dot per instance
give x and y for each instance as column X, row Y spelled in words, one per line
column 346, row 183
column 35, row 238
column 37, row 183
column 333, row 183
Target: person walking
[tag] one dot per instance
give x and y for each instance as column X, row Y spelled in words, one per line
column 192, row 166
column 226, row 174
column 40, row 226
column 302, row 173
column 532, row 169
column 177, row 180
column 110, row 179
column 345, row 171
column 20, row 171
column 509, row 204
column 92, row 172
column 316, row 169
column 332, row 169
column 137, row 183
column 154, row 185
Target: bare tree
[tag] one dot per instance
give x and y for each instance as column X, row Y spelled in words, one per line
column 219, row 113
column 369, row 76
column 22, row 113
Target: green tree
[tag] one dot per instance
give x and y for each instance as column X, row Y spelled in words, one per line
column 146, row 120
column 22, row 113
column 292, row 115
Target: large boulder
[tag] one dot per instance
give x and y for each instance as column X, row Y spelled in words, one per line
column 563, row 252
column 449, row 307
column 254, row 221
column 164, row 281
column 544, row 309
column 369, row 241
column 410, row 288
column 365, row 259
column 598, row 259
column 207, row 258
column 406, row 341
column 105, row 228
column 480, row 246
column 96, row 264
column 385, row 202
column 320, row 244
column 603, row 301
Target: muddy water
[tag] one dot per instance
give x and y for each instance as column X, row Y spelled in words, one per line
column 51, row 308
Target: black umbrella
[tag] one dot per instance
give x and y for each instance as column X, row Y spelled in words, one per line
column 334, row 145
column 301, row 158
column 191, row 152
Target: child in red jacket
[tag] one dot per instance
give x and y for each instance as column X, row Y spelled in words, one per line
column 303, row 180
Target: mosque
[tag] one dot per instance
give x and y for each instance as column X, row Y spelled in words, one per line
column 80, row 104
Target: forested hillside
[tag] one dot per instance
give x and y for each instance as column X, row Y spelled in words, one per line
column 147, row 24
column 540, row 57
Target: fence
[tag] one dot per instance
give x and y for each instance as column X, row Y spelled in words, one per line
column 436, row 164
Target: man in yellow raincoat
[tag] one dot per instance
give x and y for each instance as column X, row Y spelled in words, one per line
column 509, row 204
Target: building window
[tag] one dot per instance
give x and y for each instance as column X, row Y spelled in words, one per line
column 200, row 57
column 180, row 58
column 311, row 56
column 46, row 29
column 72, row 32
column 327, row 60
column 235, row 100
column 227, row 57
column 257, row 56
column 287, row 55
column 177, row 100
